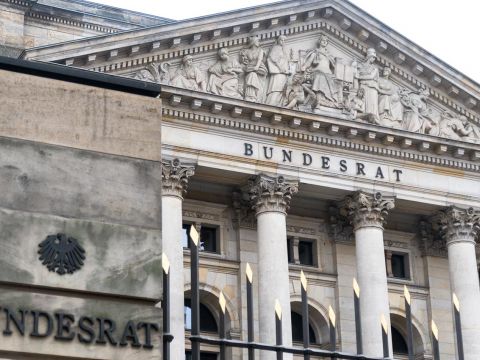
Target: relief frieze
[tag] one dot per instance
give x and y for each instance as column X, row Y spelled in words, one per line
column 315, row 77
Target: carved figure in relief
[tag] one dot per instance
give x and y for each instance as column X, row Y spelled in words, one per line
column 390, row 109
column 296, row 92
column 188, row 76
column 415, row 115
column 368, row 76
column 356, row 105
column 278, row 68
column 320, row 66
column 451, row 127
column 224, row 73
column 252, row 57
column 474, row 134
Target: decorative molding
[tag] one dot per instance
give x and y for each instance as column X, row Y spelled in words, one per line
column 301, row 230
column 455, row 224
column 73, row 23
column 200, row 215
column 271, row 193
column 339, row 227
column 297, row 29
column 244, row 215
column 175, row 177
column 429, row 243
column 299, row 135
column 367, row 210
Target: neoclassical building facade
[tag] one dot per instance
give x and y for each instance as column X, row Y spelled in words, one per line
column 301, row 135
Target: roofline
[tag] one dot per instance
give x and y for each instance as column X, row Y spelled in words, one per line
column 417, row 49
column 80, row 76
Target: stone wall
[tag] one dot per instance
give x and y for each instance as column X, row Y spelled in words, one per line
column 84, row 162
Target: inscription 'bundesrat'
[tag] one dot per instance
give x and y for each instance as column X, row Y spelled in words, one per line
column 329, row 163
column 89, row 330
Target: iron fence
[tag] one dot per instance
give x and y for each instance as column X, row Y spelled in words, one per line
column 306, row 351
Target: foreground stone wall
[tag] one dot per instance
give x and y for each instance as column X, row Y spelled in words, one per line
column 84, row 162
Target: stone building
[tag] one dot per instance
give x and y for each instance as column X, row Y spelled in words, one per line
column 301, row 135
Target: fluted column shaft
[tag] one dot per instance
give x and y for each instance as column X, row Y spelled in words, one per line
column 174, row 182
column 270, row 198
column 367, row 213
column 460, row 228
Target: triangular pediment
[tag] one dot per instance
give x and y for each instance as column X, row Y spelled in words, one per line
column 316, row 57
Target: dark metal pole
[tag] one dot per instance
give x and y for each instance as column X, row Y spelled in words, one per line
column 436, row 350
column 458, row 327
column 195, row 295
column 249, row 275
column 358, row 318
column 223, row 333
column 384, row 325
column 408, row 311
column 167, row 337
column 278, row 327
column 305, row 316
column 333, row 332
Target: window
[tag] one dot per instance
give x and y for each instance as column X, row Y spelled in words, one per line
column 305, row 253
column 398, row 342
column 209, row 239
column 297, row 329
column 301, row 251
column 291, row 260
column 185, row 235
column 207, row 320
column 398, row 265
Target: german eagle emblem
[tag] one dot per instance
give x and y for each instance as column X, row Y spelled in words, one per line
column 61, row 254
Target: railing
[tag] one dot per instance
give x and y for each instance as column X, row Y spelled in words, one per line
column 223, row 343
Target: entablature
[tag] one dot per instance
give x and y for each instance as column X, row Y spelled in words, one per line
column 322, row 129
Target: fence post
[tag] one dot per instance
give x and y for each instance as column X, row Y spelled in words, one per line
column 223, row 330
column 458, row 327
column 195, row 295
column 305, row 316
column 278, row 327
column 384, row 325
column 249, row 275
column 408, row 311
column 436, row 350
column 167, row 337
column 358, row 318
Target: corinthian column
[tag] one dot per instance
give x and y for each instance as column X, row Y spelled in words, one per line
column 270, row 198
column 174, row 183
column 367, row 214
column 459, row 227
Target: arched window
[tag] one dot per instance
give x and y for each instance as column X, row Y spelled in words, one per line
column 399, row 344
column 207, row 320
column 297, row 329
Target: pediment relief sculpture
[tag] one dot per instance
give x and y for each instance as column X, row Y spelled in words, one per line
column 314, row 79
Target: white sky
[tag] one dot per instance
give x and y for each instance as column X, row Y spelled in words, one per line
column 446, row 29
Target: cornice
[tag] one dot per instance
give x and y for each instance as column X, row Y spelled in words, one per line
column 72, row 23
column 326, row 130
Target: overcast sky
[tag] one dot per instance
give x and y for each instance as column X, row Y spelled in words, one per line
column 446, row 29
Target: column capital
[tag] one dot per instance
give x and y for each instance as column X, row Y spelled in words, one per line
column 367, row 210
column 271, row 193
column 457, row 224
column 175, row 176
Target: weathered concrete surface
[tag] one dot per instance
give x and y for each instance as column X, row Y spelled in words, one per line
column 17, row 346
column 85, row 162
column 78, row 116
